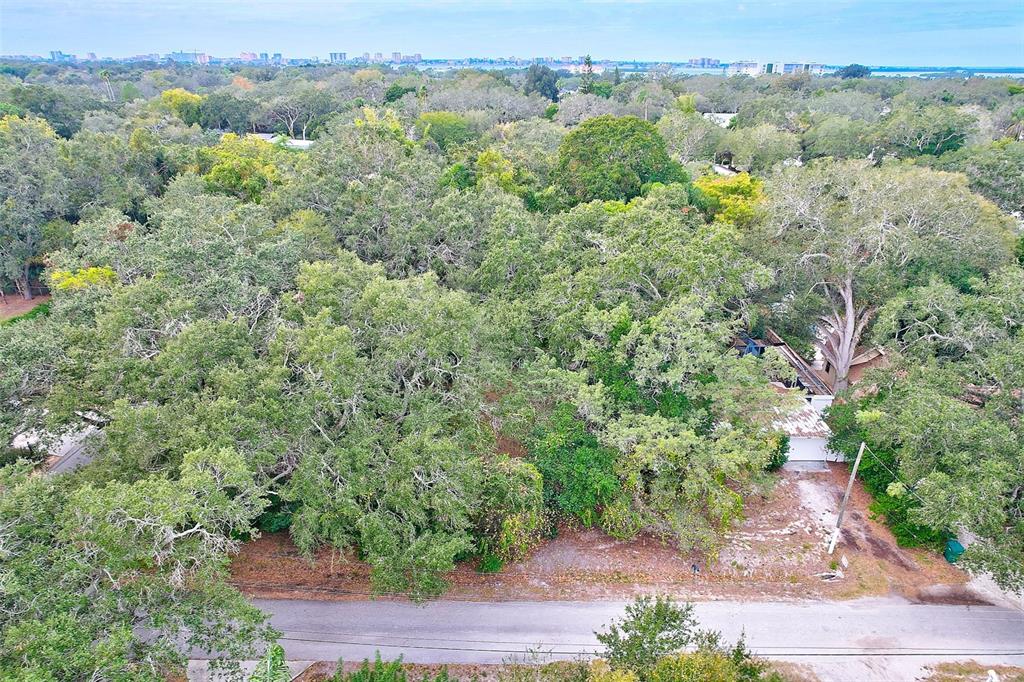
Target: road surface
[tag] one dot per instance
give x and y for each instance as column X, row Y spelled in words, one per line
column 871, row 639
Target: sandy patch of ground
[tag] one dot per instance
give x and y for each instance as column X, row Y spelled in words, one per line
column 16, row 305
column 972, row 672
column 778, row 552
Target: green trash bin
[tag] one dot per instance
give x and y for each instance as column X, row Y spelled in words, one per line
column 953, row 550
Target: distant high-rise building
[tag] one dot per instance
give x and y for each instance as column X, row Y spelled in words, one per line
column 203, row 58
column 366, row 56
column 264, row 57
column 337, row 57
column 417, row 58
column 91, row 56
column 247, row 56
column 277, row 58
column 396, row 57
column 378, row 57
column 58, row 56
column 184, row 57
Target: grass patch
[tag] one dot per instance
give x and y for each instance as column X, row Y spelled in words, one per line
column 969, row 671
column 40, row 310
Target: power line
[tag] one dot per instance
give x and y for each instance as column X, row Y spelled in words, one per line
column 595, row 643
column 910, row 488
column 549, row 649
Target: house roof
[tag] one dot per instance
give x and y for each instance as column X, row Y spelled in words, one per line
column 808, row 377
column 803, row 422
column 866, row 355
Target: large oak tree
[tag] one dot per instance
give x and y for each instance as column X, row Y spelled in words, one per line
column 846, row 237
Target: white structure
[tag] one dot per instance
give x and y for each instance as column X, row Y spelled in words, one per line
column 720, row 119
column 775, row 68
column 746, row 68
column 288, row 141
column 812, row 68
column 808, row 435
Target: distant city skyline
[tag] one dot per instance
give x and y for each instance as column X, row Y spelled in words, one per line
column 878, row 32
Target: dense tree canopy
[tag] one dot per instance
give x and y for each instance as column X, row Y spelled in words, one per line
column 32, row 192
column 460, row 317
column 854, row 71
column 543, row 81
column 951, row 423
column 613, row 158
column 850, row 237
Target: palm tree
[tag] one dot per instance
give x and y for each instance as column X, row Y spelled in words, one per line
column 105, row 76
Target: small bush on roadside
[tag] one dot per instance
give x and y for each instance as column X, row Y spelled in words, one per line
column 647, row 645
column 490, row 563
column 383, row 671
column 652, row 628
column 272, row 668
column 560, row 671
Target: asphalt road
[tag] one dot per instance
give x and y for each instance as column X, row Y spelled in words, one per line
column 876, row 639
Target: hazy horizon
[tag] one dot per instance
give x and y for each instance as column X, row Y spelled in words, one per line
column 877, row 32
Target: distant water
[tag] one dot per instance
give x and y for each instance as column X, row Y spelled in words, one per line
column 950, row 74
column 628, row 68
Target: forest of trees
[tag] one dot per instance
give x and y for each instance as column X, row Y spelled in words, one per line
column 342, row 341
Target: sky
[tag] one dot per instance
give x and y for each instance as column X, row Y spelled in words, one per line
column 873, row 32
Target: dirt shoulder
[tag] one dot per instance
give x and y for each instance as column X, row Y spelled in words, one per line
column 324, row 671
column 778, row 553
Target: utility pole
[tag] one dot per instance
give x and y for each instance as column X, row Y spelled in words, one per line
column 846, row 498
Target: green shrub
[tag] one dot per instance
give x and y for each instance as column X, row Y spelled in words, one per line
column 277, row 516
column 459, row 176
column 877, row 472
column 779, row 453
column 446, row 128
column 512, row 517
column 578, row 473
column 699, row 666
column 383, row 671
column 490, row 563
column 652, row 629
column 272, row 668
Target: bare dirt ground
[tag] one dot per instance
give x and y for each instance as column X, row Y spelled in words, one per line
column 778, row 553
column 16, row 305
